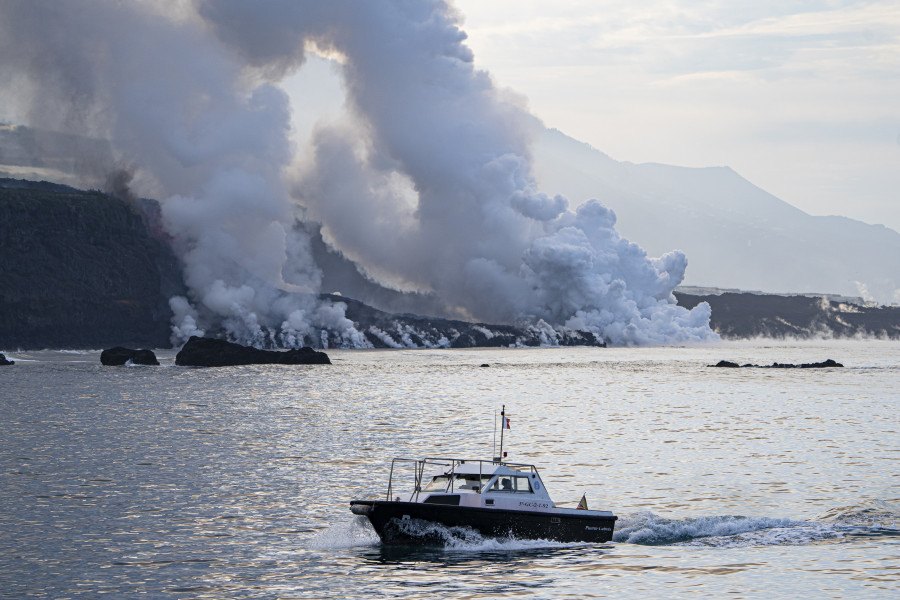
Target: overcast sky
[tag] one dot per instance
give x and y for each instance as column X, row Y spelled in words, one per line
column 800, row 97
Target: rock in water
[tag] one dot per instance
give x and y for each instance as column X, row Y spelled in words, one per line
column 727, row 364
column 818, row 365
column 118, row 356
column 144, row 357
column 4, row 361
column 209, row 352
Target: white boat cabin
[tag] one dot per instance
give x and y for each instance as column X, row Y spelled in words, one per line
column 474, row 483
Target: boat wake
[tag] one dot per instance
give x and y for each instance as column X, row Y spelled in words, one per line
column 877, row 518
column 877, row 514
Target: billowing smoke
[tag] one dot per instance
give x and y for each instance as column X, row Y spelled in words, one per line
column 200, row 131
column 426, row 185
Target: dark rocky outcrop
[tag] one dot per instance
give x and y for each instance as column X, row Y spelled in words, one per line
column 82, row 269
column 818, row 365
column 118, row 356
column 4, row 361
column 747, row 315
column 726, row 363
column 209, row 352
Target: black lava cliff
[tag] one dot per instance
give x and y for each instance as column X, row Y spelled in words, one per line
column 81, row 270
column 746, row 315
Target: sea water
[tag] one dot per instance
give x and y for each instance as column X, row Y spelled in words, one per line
column 171, row 482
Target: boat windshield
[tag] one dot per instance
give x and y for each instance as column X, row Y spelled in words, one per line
column 512, row 483
column 438, row 483
column 460, row 482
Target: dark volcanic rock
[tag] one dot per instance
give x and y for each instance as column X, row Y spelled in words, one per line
column 4, row 361
column 114, row 357
column 748, row 315
column 819, row 365
column 726, row 363
column 387, row 330
column 209, row 352
column 82, row 269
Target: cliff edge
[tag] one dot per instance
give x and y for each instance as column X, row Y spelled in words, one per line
column 81, row 270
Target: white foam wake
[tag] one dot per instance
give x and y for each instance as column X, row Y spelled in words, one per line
column 646, row 528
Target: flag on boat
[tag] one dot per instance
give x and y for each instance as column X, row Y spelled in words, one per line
column 583, row 504
column 505, row 422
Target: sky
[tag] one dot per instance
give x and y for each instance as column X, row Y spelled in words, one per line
column 800, row 97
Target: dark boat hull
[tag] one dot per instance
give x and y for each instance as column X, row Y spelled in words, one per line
column 395, row 522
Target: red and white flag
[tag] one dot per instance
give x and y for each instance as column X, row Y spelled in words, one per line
column 505, row 422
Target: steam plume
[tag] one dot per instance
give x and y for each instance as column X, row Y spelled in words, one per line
column 426, row 185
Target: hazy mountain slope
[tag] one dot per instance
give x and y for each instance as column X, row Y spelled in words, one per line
column 735, row 234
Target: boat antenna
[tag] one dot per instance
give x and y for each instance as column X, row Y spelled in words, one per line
column 494, row 445
column 502, row 427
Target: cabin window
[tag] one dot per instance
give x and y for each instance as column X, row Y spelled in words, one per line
column 461, row 481
column 512, row 483
column 471, row 482
column 439, row 483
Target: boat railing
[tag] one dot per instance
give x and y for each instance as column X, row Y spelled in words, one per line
column 419, row 466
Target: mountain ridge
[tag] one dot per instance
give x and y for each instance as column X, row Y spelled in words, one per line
column 734, row 233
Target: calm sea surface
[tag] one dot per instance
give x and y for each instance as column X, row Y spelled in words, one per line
column 170, row 482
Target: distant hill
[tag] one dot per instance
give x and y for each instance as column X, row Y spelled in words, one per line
column 734, row 234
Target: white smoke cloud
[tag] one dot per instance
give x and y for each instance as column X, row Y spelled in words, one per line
column 430, row 187
column 427, row 185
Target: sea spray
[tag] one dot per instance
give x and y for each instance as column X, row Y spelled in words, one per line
column 353, row 532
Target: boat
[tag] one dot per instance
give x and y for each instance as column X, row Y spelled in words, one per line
column 496, row 498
